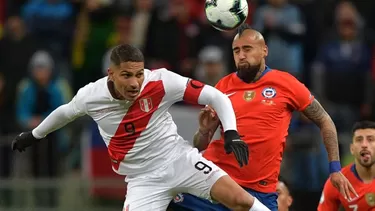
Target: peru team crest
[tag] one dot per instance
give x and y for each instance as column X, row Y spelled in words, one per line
column 248, row 95
column 269, row 92
column 145, row 104
column 370, row 199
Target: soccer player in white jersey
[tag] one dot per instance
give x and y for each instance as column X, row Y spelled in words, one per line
column 130, row 107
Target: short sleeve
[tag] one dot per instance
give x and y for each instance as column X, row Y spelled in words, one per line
column 329, row 199
column 301, row 96
column 218, row 85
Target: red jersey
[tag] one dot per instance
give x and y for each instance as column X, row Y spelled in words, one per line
column 332, row 199
column 263, row 111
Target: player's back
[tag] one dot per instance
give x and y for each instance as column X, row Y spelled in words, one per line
column 331, row 198
column 141, row 135
column 263, row 111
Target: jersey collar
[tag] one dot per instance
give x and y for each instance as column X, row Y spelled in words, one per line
column 354, row 170
column 107, row 89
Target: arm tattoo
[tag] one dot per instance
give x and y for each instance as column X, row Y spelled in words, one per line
column 200, row 140
column 316, row 113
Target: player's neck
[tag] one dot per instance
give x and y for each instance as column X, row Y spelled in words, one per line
column 113, row 91
column 260, row 72
column 366, row 174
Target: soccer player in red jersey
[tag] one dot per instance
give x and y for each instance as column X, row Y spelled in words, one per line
column 361, row 173
column 263, row 100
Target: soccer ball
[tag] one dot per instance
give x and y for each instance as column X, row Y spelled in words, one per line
column 226, row 15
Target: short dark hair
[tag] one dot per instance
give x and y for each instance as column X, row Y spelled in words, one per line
column 242, row 28
column 282, row 179
column 363, row 125
column 126, row 53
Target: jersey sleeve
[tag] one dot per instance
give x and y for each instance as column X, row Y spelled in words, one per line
column 300, row 96
column 63, row 114
column 79, row 101
column 180, row 88
column 329, row 199
column 192, row 91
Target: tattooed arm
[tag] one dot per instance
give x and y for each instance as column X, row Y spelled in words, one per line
column 208, row 123
column 316, row 113
column 201, row 140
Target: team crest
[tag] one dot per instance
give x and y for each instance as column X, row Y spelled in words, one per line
column 370, row 199
column 145, row 104
column 248, row 95
column 178, row 198
column 269, row 92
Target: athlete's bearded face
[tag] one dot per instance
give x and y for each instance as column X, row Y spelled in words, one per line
column 127, row 79
column 249, row 52
column 363, row 147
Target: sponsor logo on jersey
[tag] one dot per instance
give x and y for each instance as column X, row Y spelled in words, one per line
column 145, row 104
column 269, row 92
column 370, row 199
column 249, row 95
column 178, row 198
column 230, row 94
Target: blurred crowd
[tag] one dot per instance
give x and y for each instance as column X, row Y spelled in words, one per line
column 51, row 48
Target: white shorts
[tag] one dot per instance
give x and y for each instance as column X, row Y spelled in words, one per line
column 189, row 173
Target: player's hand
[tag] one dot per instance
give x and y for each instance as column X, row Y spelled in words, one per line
column 23, row 140
column 233, row 143
column 208, row 120
column 341, row 183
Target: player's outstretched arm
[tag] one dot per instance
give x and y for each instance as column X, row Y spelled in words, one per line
column 54, row 121
column 208, row 123
column 316, row 113
column 223, row 107
column 179, row 88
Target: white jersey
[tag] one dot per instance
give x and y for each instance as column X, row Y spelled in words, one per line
column 140, row 135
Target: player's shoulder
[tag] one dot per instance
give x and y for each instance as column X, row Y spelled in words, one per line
column 283, row 79
column 158, row 74
column 225, row 81
column 282, row 76
column 348, row 170
column 94, row 90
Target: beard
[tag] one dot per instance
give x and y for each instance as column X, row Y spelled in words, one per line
column 248, row 72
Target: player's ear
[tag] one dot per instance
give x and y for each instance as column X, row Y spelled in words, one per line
column 110, row 73
column 352, row 149
column 289, row 201
column 265, row 51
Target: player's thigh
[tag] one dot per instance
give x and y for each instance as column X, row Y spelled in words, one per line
column 228, row 192
column 147, row 194
column 196, row 174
